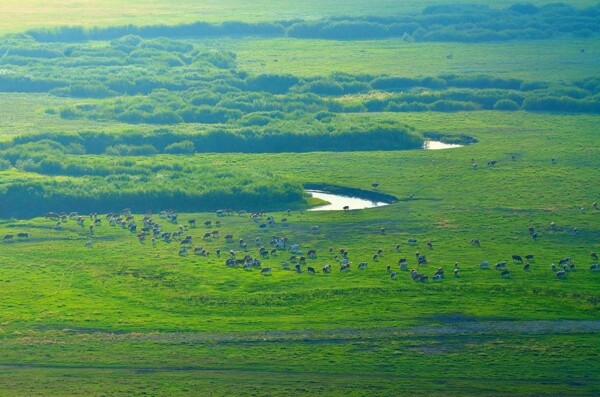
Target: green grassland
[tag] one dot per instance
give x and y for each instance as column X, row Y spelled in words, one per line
column 547, row 60
column 97, row 311
column 109, row 313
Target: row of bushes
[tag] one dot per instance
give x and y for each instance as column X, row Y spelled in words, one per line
column 436, row 23
column 262, row 110
column 96, row 194
column 36, row 147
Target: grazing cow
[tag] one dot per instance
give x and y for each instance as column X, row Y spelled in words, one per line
column 311, row 253
column 595, row 266
column 302, row 260
column 362, row 265
column 595, row 205
column 456, row 273
column 388, row 269
column 23, row 235
column 344, row 262
column 484, row 264
column 411, row 241
column 8, row 237
column 265, row 271
column 531, row 230
column 298, row 268
column 192, row 222
column 294, row 247
column 572, row 267
column 397, row 247
column 218, row 223
column 564, row 260
column 374, row 186
column 501, row 265
column 393, row 275
column 415, row 274
column 594, row 255
column 437, row 277
column 183, row 251
column 517, row 258
column 505, row 273
column 492, row 163
column 529, row 257
column 285, row 265
column 561, row 274
column 475, row 243
column 552, row 226
column 375, row 257
column 440, row 272
column 327, row 269
column 534, row 236
column 430, row 245
column 215, row 233
column 346, row 208
column 207, row 235
column 382, row 230
column 262, row 225
column 284, row 220
column 422, row 260
column 311, row 270
column 404, row 266
column 345, row 268
column 526, row 267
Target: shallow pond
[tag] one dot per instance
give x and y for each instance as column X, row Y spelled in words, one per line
column 437, row 145
column 338, row 202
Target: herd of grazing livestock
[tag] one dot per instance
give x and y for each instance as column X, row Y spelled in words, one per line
column 250, row 254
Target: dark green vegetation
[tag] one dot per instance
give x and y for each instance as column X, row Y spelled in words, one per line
column 160, row 117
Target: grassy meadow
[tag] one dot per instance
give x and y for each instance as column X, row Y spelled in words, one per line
column 103, row 311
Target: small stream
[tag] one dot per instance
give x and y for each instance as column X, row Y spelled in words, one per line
column 437, row 145
column 338, row 202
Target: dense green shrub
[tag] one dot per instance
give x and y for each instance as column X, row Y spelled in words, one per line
column 506, row 104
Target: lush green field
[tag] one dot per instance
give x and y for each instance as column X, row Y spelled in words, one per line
column 102, row 311
column 548, row 60
column 106, row 315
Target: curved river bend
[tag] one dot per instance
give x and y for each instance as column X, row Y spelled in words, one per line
column 338, row 202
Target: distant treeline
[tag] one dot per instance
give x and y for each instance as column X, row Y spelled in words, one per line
column 462, row 22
